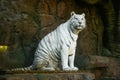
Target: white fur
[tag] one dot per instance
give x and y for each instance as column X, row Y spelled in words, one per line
column 57, row 49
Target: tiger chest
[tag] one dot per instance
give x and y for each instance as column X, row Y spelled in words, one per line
column 72, row 48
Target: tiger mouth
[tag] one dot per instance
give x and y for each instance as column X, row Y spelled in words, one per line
column 79, row 27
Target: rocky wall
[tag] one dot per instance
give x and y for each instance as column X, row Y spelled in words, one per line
column 23, row 23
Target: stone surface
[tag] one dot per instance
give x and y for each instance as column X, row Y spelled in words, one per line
column 91, row 1
column 62, row 8
column 101, row 66
column 50, row 76
column 90, row 62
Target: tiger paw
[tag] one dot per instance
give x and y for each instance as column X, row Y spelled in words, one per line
column 67, row 69
column 74, row 69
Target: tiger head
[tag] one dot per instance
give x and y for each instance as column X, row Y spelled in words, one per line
column 77, row 21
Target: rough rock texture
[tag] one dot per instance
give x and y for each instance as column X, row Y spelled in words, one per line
column 50, row 76
column 23, row 23
column 102, row 67
column 111, row 37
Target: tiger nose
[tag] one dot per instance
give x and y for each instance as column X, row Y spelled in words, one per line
column 79, row 22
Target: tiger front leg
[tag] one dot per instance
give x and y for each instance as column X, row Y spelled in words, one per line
column 64, row 59
column 71, row 62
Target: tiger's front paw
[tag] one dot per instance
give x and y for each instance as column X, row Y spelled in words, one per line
column 67, row 69
column 74, row 69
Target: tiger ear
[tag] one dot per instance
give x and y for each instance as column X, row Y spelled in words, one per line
column 83, row 14
column 72, row 13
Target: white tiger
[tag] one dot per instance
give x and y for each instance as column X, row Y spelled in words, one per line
column 56, row 50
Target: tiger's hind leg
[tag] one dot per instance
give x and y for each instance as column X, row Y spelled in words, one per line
column 51, row 66
column 43, row 65
column 48, row 69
